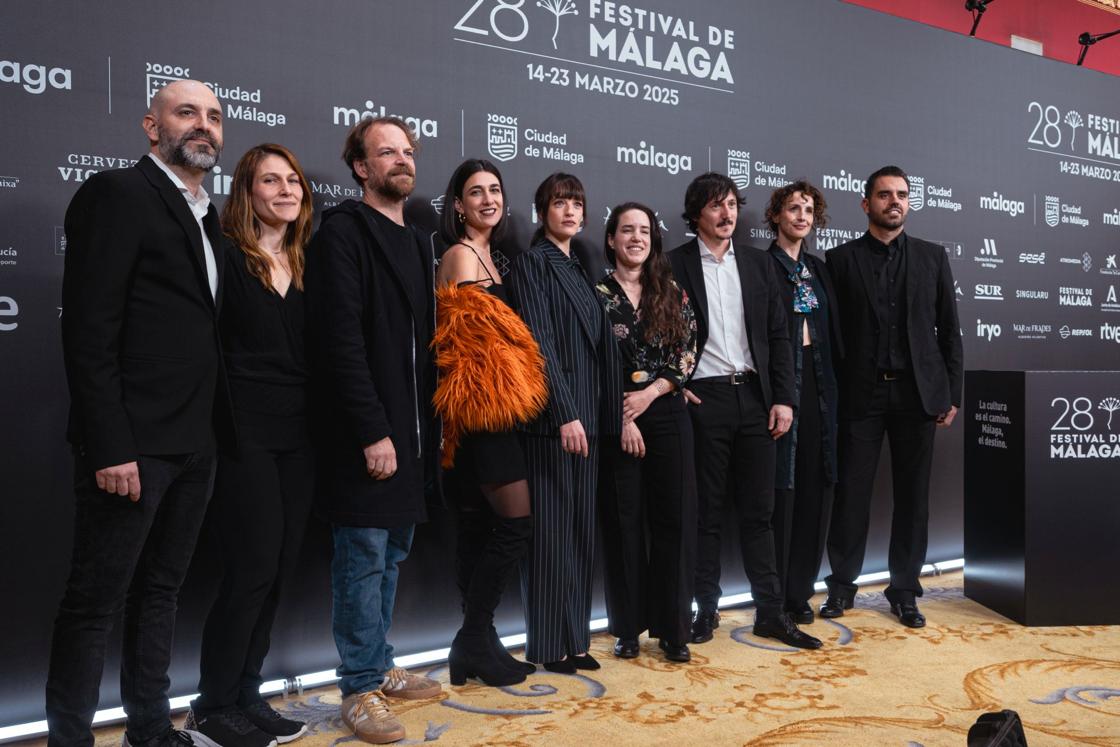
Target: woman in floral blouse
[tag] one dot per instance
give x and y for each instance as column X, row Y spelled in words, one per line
column 648, row 476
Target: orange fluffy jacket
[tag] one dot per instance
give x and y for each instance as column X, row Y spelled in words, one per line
column 491, row 372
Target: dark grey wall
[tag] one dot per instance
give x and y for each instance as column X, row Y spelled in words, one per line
column 776, row 90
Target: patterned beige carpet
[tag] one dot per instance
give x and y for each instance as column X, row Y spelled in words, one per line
column 874, row 683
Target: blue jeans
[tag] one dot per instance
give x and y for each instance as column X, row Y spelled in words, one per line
column 364, row 573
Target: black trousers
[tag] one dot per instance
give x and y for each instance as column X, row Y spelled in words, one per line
column 896, row 410
column 130, row 555
column 801, row 514
column 262, row 499
column 649, row 584
column 735, row 458
column 557, row 573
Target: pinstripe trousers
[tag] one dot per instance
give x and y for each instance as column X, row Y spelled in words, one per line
column 556, row 576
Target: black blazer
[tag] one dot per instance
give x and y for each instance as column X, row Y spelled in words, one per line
column 932, row 328
column 584, row 379
column 139, row 324
column 767, row 324
column 829, row 344
column 372, row 374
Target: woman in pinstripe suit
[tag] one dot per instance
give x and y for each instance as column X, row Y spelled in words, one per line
column 555, row 296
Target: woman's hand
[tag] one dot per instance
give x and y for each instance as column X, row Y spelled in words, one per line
column 632, row 442
column 573, row 439
column 635, row 403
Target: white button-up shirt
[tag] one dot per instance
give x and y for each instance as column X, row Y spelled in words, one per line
column 727, row 350
column 198, row 205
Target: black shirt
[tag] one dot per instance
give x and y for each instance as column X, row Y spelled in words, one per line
column 263, row 342
column 889, row 263
column 262, row 331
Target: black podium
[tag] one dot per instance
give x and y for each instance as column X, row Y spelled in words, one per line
column 1042, row 495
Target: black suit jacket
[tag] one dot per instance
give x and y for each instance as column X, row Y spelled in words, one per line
column 372, row 376
column 584, row 379
column 139, row 324
column 932, row 328
column 767, row 324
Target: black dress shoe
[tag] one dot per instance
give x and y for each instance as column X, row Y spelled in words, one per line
column 703, row 625
column 908, row 614
column 584, row 661
column 835, row 606
column 564, row 666
column 626, row 648
column 674, row 651
column 802, row 613
column 782, row 628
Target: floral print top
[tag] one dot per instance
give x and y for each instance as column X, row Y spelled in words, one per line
column 644, row 362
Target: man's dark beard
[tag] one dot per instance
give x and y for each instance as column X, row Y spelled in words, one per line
column 177, row 153
column 881, row 220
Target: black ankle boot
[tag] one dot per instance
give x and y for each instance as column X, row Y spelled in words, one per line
column 506, row 657
column 471, row 656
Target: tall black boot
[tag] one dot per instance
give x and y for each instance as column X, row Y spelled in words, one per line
column 473, row 652
column 471, row 536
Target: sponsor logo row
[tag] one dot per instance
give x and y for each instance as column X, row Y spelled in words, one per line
column 989, row 331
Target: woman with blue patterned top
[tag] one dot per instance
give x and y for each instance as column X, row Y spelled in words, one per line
column 648, row 476
column 806, row 459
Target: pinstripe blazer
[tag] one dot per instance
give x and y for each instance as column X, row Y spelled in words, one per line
column 556, row 299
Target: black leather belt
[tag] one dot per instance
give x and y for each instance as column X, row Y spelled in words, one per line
column 739, row 377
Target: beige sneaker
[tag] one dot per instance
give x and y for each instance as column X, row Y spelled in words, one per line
column 400, row 684
column 370, row 719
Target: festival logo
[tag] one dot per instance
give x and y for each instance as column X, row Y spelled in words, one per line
column 1082, row 431
column 1069, row 296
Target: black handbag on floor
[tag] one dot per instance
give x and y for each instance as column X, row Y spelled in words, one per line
column 1002, row 729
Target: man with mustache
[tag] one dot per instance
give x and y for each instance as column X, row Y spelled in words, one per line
column 741, row 400
column 140, row 296
column 901, row 375
column 370, row 304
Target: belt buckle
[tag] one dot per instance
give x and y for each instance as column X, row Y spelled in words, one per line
column 737, row 377
column 890, row 376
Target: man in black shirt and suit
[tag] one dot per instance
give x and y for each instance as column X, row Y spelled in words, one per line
column 901, row 376
column 140, row 297
column 741, row 399
column 371, row 316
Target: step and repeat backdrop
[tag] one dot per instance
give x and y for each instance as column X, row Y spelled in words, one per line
column 1014, row 163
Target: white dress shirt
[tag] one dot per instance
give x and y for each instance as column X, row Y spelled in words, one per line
column 727, row 350
column 198, row 205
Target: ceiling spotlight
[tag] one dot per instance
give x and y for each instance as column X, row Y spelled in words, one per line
column 1087, row 40
column 976, row 8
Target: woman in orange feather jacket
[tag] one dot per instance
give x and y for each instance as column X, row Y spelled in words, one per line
column 491, row 379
